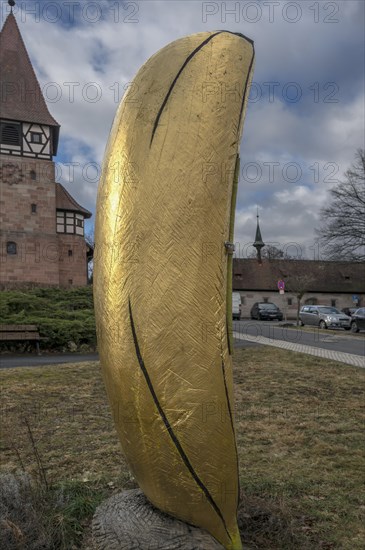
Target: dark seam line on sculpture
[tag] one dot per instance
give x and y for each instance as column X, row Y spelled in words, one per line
column 233, row 431
column 244, row 94
column 175, row 80
column 240, row 35
column 226, row 390
column 168, row 426
column 184, row 65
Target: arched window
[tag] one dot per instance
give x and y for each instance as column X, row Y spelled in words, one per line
column 33, row 175
column 312, row 301
column 11, row 247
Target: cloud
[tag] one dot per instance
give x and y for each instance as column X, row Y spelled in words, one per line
column 306, row 110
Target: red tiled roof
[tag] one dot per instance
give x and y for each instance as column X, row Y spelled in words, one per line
column 64, row 201
column 318, row 276
column 20, row 94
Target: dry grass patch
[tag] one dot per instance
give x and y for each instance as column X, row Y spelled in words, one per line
column 301, row 447
column 299, row 431
column 66, row 409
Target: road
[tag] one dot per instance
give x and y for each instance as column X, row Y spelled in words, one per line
column 334, row 340
column 27, row 360
column 331, row 340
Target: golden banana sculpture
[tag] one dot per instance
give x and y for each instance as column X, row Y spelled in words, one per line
column 165, row 210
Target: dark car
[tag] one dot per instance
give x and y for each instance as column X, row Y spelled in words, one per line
column 348, row 310
column 358, row 320
column 264, row 311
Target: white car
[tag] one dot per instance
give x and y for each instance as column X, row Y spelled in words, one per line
column 236, row 305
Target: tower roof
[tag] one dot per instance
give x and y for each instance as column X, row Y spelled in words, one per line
column 259, row 243
column 64, row 201
column 21, row 98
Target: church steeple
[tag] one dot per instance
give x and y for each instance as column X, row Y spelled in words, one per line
column 42, row 226
column 27, row 127
column 259, row 243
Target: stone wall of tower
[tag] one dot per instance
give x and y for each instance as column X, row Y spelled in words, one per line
column 72, row 260
column 23, row 183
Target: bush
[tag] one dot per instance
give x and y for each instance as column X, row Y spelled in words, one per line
column 62, row 316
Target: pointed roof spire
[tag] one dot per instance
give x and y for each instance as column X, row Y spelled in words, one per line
column 21, row 97
column 259, row 243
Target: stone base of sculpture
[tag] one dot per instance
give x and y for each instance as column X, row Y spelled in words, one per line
column 128, row 521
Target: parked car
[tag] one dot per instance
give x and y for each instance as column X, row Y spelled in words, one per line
column 236, row 305
column 324, row 317
column 358, row 320
column 266, row 310
column 349, row 310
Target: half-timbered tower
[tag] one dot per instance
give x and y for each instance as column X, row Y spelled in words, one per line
column 41, row 225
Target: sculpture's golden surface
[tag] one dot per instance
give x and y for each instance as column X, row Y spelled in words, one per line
column 160, row 279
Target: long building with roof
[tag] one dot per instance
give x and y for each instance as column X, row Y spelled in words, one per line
column 42, row 239
column 337, row 284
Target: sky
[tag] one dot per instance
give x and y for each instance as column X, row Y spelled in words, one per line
column 305, row 115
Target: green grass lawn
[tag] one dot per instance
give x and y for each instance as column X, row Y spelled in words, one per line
column 300, row 440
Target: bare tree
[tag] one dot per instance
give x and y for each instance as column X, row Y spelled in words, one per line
column 342, row 231
column 271, row 252
column 89, row 237
column 298, row 284
column 90, row 241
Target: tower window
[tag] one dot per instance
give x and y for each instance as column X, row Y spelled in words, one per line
column 34, row 208
column 11, row 247
column 10, row 133
column 70, row 253
column 33, row 175
column 79, row 223
column 61, row 227
column 35, row 137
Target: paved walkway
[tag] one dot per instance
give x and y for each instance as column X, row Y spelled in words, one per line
column 349, row 358
column 242, row 340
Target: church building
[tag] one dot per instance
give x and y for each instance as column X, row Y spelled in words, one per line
column 41, row 225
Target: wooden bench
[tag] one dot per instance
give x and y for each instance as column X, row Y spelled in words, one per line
column 18, row 333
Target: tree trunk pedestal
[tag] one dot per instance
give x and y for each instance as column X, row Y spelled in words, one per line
column 128, row 521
